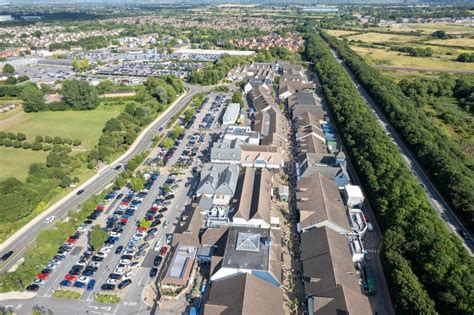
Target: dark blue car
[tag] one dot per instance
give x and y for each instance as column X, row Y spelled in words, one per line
column 79, row 284
column 90, row 285
column 65, row 283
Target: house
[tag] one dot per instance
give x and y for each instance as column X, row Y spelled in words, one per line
column 179, row 272
column 227, row 151
column 330, row 165
column 272, row 126
column 250, row 250
column 261, row 156
column 330, row 280
column 253, row 83
column 320, row 205
column 305, row 102
column 285, row 92
column 243, row 133
column 255, row 199
column 243, row 294
column 218, row 181
column 353, row 196
column 231, row 114
column 188, row 229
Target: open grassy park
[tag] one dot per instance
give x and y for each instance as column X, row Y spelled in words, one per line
column 84, row 125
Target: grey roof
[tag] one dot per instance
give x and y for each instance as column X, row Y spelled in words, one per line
column 271, row 123
column 228, row 150
column 231, row 113
column 218, row 179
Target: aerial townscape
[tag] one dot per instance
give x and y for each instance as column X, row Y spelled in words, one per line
column 247, row 157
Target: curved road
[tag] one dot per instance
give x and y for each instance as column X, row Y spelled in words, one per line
column 434, row 197
column 25, row 237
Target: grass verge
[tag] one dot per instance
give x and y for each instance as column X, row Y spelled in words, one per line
column 66, row 294
column 107, row 298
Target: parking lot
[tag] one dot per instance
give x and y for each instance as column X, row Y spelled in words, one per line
column 138, row 225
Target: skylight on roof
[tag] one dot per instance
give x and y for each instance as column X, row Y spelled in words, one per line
column 248, row 242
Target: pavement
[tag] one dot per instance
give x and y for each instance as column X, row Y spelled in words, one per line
column 434, row 196
column 132, row 296
column 24, row 238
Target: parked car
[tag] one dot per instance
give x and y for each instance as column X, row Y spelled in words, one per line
column 124, row 283
column 157, row 261
column 32, row 287
column 153, row 272
column 6, row 255
column 90, row 285
column 107, row 287
column 65, row 283
column 119, row 249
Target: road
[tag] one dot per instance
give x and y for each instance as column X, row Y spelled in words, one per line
column 132, row 302
column 25, row 237
column 433, row 195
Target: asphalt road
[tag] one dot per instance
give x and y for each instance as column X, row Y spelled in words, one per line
column 433, row 195
column 107, row 176
column 132, row 296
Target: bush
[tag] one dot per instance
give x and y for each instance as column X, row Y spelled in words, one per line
column 77, row 142
column 27, row 145
column 39, row 138
column 106, row 298
column 57, row 140
column 7, row 142
column 36, row 146
column 46, row 147
column 73, row 295
column 17, row 144
column 67, row 140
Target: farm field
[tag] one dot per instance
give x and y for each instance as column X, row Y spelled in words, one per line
column 380, row 37
column 10, row 113
column 16, row 162
column 339, row 33
column 460, row 42
column 429, row 28
column 376, row 56
column 84, row 125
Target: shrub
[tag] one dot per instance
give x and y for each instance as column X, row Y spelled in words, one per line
column 77, row 142
column 16, row 144
column 7, row 142
column 48, row 139
column 20, row 136
column 39, row 138
column 36, row 146
column 57, row 140
column 26, row 145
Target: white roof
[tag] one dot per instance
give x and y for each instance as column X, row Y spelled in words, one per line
column 353, row 191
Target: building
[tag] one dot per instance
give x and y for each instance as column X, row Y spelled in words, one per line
column 250, row 250
column 227, row 151
column 243, row 133
column 243, row 294
column 320, row 205
column 218, row 181
column 255, row 199
column 272, row 126
column 188, row 228
column 332, row 166
column 353, row 196
column 179, row 272
column 261, row 156
column 331, row 283
column 305, row 102
column 231, row 114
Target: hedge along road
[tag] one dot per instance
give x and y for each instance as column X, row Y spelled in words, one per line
column 21, row 240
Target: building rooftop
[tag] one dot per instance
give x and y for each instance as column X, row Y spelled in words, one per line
column 180, row 267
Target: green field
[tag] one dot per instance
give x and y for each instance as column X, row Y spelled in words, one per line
column 84, row 125
column 16, row 162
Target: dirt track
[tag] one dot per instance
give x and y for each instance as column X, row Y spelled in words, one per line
column 423, row 69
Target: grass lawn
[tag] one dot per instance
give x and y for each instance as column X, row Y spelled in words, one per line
column 84, row 125
column 379, row 37
column 384, row 57
column 16, row 162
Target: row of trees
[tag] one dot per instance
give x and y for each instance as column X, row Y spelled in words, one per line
column 76, row 95
column 450, row 169
column 465, row 57
column 19, row 136
column 428, row 270
column 214, row 72
column 120, row 132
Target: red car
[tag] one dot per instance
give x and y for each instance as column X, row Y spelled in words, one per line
column 71, row 240
column 163, row 250
column 142, row 229
column 100, row 208
column 124, row 220
column 125, row 203
column 43, row 276
column 70, row 277
column 154, row 209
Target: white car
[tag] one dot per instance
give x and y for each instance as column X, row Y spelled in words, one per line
column 95, row 264
column 83, row 279
column 128, row 275
column 370, row 227
column 51, row 266
column 125, row 261
column 129, row 252
column 81, row 229
column 50, row 219
column 158, row 245
column 39, row 281
column 105, row 250
column 101, row 254
column 81, row 263
column 119, row 271
column 115, row 234
column 112, row 281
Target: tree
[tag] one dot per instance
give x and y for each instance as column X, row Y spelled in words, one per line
column 465, row 57
column 8, row 69
column 77, row 142
column 176, row 132
column 440, row 34
column 81, row 65
column 138, row 183
column 33, row 98
column 79, row 95
column 97, row 237
column 39, row 138
column 20, row 136
column 36, row 146
column 168, row 143
column 48, row 139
